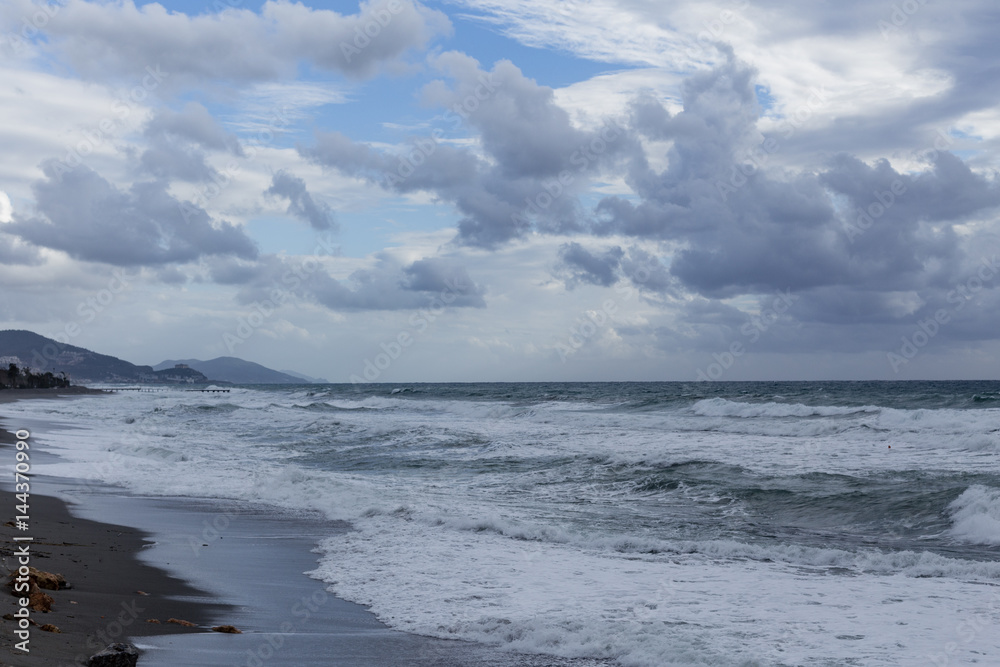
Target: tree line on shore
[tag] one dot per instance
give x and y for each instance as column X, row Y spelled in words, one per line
column 13, row 377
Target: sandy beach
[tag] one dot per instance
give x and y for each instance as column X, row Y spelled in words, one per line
column 112, row 593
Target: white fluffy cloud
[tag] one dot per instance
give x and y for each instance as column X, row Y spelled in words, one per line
column 120, row 40
column 248, row 132
column 5, row 208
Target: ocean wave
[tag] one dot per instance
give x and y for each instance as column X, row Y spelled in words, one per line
column 721, row 407
column 503, row 550
column 866, row 560
column 635, row 601
column 976, row 516
column 942, row 420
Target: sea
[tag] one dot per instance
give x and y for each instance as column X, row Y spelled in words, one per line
column 640, row 524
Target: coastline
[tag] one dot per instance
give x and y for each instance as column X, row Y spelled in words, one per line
column 103, row 605
column 208, row 562
column 11, row 395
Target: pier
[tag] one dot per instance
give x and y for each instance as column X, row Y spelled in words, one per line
column 152, row 389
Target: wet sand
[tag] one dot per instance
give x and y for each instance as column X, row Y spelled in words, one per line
column 99, row 560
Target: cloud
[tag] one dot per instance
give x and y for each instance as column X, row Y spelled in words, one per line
column 742, row 228
column 587, row 267
column 194, row 124
column 177, row 144
column 634, row 33
column 17, row 253
column 300, row 202
column 118, row 40
column 533, row 164
column 386, row 285
column 171, row 160
column 447, row 279
column 6, row 210
column 392, row 286
column 87, row 217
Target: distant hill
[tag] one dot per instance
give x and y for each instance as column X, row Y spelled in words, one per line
column 181, row 375
column 27, row 349
column 44, row 354
column 231, row 369
column 305, row 378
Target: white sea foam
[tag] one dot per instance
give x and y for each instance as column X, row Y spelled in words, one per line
column 466, row 548
column 976, row 516
column 721, row 407
column 690, row 609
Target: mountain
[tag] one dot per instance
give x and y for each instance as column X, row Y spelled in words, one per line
column 181, row 376
column 28, row 349
column 305, row 378
column 231, row 369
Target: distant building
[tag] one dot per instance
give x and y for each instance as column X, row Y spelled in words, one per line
column 179, row 374
column 181, row 366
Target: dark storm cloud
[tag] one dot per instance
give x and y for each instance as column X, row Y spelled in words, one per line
column 440, row 276
column 587, row 267
column 388, row 285
column 647, row 272
column 859, row 244
column 536, row 161
column 82, row 214
column 638, row 267
column 300, row 203
column 115, row 40
column 745, row 230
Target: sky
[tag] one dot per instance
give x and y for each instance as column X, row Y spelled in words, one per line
column 504, row 190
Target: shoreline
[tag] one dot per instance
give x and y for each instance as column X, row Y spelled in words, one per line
column 248, row 573
column 99, row 561
column 8, row 395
